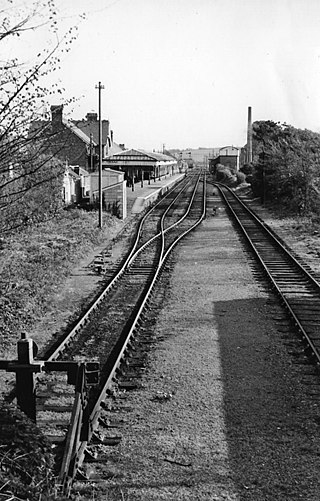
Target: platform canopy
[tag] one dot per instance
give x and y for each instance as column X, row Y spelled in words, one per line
column 138, row 160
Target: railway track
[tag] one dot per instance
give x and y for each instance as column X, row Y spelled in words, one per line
column 72, row 415
column 297, row 288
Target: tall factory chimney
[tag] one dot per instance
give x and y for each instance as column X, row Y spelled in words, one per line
column 249, row 137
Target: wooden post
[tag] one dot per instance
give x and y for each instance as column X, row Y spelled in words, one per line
column 26, row 398
column 26, row 366
column 100, row 87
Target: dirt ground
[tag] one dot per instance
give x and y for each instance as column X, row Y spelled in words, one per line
column 227, row 409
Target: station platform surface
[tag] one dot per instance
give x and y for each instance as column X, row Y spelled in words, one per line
column 141, row 197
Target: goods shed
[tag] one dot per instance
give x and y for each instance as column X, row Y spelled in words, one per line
column 140, row 165
column 228, row 156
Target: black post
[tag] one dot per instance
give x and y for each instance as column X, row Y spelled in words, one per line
column 26, row 398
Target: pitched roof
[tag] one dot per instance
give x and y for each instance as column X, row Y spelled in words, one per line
column 87, row 127
column 159, row 156
column 114, row 149
column 78, row 132
column 135, row 152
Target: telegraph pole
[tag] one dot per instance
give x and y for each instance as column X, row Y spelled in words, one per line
column 249, row 137
column 100, row 87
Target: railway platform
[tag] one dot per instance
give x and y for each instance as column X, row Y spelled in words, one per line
column 141, row 197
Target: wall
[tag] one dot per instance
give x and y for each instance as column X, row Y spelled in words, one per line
column 228, row 161
column 71, row 148
column 113, row 191
column 68, row 189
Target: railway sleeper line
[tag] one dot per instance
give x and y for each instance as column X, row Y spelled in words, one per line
column 295, row 284
column 76, row 426
column 126, row 347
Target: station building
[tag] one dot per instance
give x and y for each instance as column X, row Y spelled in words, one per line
column 139, row 165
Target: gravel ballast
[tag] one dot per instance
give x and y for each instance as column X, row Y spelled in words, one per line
column 228, row 408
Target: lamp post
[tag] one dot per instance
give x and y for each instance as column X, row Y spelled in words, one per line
column 100, row 87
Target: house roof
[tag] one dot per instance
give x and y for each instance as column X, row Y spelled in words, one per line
column 37, row 127
column 71, row 173
column 78, row 132
column 81, row 128
column 87, row 127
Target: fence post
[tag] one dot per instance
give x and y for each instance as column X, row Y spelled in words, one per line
column 26, row 398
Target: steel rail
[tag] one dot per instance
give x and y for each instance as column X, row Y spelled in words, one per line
column 267, row 229
column 272, row 237
column 146, row 244
column 96, row 410
column 84, row 318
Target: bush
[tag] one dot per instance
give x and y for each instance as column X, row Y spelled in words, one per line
column 224, row 174
column 240, row 177
column 247, row 169
column 286, row 167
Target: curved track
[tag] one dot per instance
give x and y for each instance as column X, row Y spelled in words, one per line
column 105, row 331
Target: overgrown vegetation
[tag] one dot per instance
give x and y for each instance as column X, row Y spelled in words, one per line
column 286, row 167
column 35, row 261
column 228, row 176
column 26, row 460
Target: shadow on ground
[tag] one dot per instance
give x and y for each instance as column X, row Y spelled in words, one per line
column 271, row 418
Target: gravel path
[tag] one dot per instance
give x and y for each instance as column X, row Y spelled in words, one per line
column 228, row 408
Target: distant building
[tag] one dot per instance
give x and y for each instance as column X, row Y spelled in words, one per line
column 228, row 156
column 195, row 155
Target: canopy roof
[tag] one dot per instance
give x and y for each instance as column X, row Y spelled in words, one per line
column 139, row 158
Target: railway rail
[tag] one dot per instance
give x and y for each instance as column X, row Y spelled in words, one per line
column 71, row 415
column 297, row 288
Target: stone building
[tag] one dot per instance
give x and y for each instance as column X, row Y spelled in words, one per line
column 77, row 141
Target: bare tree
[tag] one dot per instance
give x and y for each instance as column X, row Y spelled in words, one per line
column 27, row 156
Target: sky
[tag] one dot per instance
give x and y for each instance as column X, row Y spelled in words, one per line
column 182, row 73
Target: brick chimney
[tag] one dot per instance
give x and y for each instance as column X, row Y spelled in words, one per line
column 56, row 116
column 92, row 117
column 56, row 113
